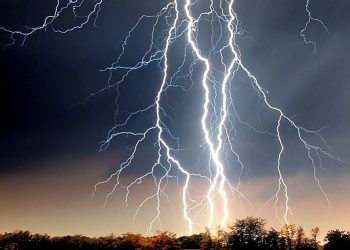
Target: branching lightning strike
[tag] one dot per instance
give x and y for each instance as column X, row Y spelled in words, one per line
column 222, row 62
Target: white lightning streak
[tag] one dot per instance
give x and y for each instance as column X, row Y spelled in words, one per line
column 160, row 138
column 219, row 113
column 310, row 19
column 213, row 152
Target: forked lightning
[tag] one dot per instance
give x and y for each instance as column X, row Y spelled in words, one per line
column 184, row 20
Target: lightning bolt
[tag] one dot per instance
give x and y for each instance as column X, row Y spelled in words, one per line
column 222, row 63
column 311, row 19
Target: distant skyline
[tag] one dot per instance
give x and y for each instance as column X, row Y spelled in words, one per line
column 52, row 126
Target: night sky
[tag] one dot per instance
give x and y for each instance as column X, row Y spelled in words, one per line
column 52, row 127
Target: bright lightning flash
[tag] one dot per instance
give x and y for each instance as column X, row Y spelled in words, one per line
column 222, row 63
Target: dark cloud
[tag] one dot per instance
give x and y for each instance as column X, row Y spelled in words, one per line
column 44, row 85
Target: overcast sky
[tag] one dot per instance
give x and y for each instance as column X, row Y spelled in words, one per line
column 51, row 134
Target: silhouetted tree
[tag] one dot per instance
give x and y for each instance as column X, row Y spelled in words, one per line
column 300, row 235
column 282, row 243
column 107, row 242
column 222, row 239
column 288, row 232
column 272, row 240
column 248, row 233
column 130, row 241
column 190, row 242
column 206, row 241
column 314, row 233
column 165, row 240
column 244, row 234
column 337, row 240
column 17, row 240
column 304, row 243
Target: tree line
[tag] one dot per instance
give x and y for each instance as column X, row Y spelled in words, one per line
column 244, row 234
